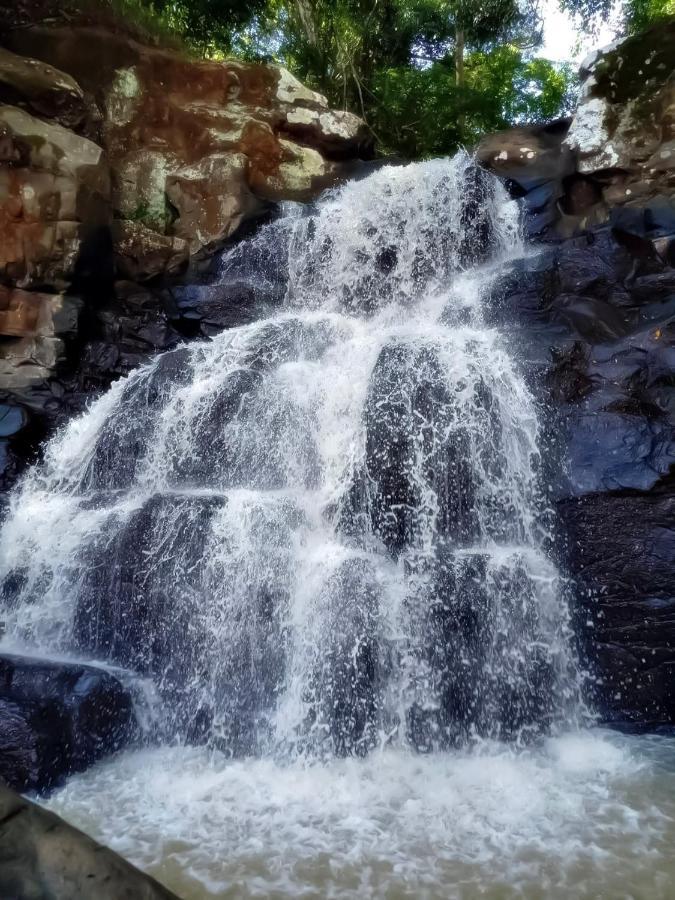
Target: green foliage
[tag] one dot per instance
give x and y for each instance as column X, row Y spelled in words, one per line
column 634, row 15
column 342, row 46
column 506, row 87
column 642, row 13
column 139, row 18
column 427, row 75
column 423, row 112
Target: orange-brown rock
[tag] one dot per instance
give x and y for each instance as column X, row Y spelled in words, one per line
column 164, row 158
column 32, row 325
column 54, row 190
column 196, row 147
column 212, row 199
column 25, row 313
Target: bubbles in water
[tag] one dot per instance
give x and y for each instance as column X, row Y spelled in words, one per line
column 586, row 815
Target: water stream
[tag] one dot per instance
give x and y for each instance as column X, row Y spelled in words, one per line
column 324, row 538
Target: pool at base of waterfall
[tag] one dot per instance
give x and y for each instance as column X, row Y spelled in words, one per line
column 587, row 814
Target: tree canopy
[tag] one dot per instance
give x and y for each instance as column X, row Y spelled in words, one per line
column 426, row 75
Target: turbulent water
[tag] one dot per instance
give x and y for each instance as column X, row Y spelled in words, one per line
column 587, row 815
column 321, row 532
column 324, row 536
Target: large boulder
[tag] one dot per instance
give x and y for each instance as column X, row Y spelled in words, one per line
column 44, row 858
column 196, row 147
column 33, row 326
column 211, row 199
column 143, row 253
column 57, row 718
column 42, row 88
column 616, row 156
column 624, row 128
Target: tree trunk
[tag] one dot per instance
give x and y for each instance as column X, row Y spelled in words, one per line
column 306, row 16
column 459, row 58
column 459, row 79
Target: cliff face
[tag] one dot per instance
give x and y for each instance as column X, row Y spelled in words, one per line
column 121, row 166
column 600, row 301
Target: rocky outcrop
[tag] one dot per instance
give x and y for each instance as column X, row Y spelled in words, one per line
column 57, row 718
column 44, row 858
column 623, row 131
column 123, row 167
column 54, row 191
column 197, row 147
column 614, row 160
column 599, row 302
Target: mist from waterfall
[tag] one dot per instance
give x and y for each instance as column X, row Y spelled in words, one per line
column 325, row 531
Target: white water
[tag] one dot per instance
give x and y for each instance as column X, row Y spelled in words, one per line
column 322, row 531
column 586, row 816
column 324, row 535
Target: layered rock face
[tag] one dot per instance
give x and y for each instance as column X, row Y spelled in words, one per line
column 122, row 166
column 600, row 302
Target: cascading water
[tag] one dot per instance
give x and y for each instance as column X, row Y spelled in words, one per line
column 321, row 531
column 323, row 535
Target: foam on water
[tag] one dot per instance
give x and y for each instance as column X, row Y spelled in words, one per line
column 584, row 815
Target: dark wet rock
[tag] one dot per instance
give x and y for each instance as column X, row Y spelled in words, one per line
column 596, row 314
column 568, row 380
column 407, row 388
column 597, row 311
column 614, row 450
column 44, row 858
column 535, row 164
column 145, row 617
column 622, row 546
column 472, row 629
column 57, row 718
column 477, row 222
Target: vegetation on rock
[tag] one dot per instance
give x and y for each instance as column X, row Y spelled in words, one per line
column 426, row 75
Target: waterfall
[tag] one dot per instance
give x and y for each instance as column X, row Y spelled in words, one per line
column 325, row 530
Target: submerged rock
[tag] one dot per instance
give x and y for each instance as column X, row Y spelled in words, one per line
column 44, row 858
